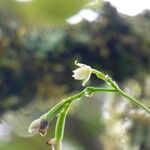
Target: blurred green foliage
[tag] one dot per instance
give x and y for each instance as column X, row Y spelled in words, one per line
column 37, row 61
column 30, row 56
column 43, row 11
column 142, row 21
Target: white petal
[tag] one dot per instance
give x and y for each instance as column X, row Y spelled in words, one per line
column 86, row 80
column 82, row 73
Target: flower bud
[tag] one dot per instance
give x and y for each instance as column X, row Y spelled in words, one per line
column 39, row 126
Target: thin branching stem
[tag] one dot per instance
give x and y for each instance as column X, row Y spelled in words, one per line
column 61, row 109
column 119, row 91
column 58, row 107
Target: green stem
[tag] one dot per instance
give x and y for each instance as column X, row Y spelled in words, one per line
column 58, row 107
column 57, row 146
column 118, row 90
column 133, row 100
column 59, row 129
column 60, row 124
column 97, row 89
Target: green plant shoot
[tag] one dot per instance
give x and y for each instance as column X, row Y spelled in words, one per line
column 60, row 110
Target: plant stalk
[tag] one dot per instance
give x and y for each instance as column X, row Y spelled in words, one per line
column 107, row 79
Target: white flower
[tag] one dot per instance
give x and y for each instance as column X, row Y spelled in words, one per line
column 82, row 73
column 39, row 126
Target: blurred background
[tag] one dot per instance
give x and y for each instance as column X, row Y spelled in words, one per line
column 39, row 42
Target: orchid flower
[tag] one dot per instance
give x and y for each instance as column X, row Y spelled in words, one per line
column 82, row 73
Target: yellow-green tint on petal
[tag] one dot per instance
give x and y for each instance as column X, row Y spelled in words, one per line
column 82, row 73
